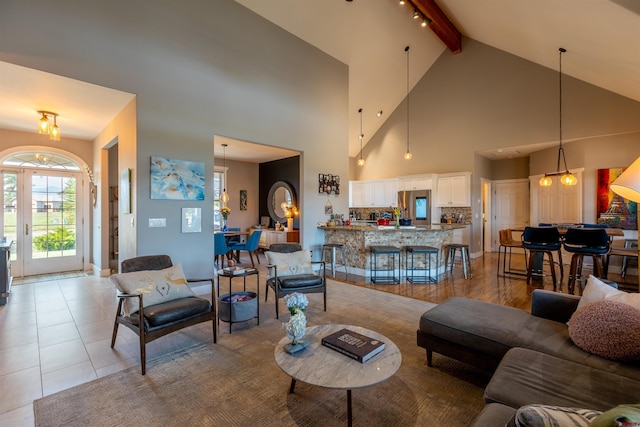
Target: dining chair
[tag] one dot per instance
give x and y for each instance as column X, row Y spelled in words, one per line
column 581, row 242
column 251, row 246
column 220, row 250
column 539, row 241
column 233, row 240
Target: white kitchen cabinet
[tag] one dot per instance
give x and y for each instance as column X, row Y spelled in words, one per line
column 369, row 194
column 414, row 183
column 453, row 190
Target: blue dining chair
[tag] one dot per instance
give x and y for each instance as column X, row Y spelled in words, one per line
column 251, row 246
column 234, row 240
column 220, row 248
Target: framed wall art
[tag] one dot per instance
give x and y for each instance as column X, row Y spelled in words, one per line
column 243, row 200
column 328, row 183
column 173, row 179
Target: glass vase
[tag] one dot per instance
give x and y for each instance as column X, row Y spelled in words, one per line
column 224, row 225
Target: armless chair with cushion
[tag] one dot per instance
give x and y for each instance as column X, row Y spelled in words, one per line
column 153, row 286
column 507, row 242
column 290, row 269
column 593, row 242
column 251, row 246
column 539, row 241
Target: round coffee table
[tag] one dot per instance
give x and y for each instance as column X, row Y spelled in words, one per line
column 324, row 367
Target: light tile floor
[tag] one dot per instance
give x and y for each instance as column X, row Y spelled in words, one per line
column 56, row 334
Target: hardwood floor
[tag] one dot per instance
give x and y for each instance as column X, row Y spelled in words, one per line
column 55, row 334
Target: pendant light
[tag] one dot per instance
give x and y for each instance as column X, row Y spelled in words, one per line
column 407, row 155
column 45, row 127
column 224, row 197
column 360, row 137
column 566, row 177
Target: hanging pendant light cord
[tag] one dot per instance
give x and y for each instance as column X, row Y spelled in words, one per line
column 561, row 149
column 407, row 50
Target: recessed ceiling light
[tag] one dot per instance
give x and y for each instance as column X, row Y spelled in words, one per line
column 379, row 113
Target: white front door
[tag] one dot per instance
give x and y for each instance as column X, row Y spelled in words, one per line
column 41, row 215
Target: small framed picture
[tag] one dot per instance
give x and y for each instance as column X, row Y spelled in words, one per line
column 191, row 220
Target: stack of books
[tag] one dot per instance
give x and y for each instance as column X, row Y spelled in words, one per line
column 237, row 270
column 356, row 346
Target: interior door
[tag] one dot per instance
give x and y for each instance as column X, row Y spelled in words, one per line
column 51, row 231
column 511, row 206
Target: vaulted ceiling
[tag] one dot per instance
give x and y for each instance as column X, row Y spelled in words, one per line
column 602, row 38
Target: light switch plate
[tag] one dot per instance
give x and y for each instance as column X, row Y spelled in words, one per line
column 157, row 222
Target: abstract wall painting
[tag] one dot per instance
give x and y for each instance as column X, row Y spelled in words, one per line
column 173, row 179
column 612, row 209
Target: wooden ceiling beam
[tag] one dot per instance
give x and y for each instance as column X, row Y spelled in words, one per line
column 440, row 24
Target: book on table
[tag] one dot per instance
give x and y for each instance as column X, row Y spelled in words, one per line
column 237, row 270
column 356, row 346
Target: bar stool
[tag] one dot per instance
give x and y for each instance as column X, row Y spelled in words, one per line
column 334, row 248
column 539, row 241
column 390, row 252
column 581, row 242
column 427, row 251
column 508, row 243
column 450, row 252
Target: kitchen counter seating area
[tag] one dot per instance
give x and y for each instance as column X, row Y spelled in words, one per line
column 358, row 240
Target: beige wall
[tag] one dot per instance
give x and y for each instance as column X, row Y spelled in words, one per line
column 242, row 176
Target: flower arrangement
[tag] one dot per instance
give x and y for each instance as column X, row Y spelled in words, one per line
column 225, row 211
column 296, row 327
column 397, row 211
column 296, row 301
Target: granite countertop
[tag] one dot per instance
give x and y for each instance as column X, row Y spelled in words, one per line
column 434, row 227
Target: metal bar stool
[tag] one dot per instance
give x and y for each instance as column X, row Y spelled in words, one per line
column 450, row 252
column 334, row 247
column 390, row 252
column 427, row 251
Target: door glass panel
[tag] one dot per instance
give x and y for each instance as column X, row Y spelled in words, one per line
column 53, row 216
column 10, row 215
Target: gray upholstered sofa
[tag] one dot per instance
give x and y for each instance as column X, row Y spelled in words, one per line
column 534, row 359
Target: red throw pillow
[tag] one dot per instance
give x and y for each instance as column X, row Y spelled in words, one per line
column 608, row 329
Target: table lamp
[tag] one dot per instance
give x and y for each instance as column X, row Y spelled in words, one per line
column 627, row 185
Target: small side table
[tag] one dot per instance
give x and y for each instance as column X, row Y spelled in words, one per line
column 250, row 308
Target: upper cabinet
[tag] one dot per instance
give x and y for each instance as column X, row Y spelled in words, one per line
column 368, row 194
column 453, row 190
column 415, row 182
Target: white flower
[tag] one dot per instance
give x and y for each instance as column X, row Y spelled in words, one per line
column 296, row 327
column 296, row 300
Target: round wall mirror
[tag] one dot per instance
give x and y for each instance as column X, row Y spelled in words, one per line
column 279, row 194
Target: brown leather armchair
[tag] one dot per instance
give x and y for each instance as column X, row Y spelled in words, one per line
column 163, row 318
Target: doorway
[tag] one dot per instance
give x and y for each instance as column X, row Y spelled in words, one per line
column 42, row 213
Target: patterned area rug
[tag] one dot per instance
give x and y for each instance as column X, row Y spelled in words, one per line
column 236, row 382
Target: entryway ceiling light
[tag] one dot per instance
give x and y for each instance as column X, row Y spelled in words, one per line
column 46, row 128
column 566, row 177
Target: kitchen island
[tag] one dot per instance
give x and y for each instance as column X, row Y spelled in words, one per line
column 358, row 239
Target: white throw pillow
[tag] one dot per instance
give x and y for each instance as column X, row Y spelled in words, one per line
column 597, row 290
column 290, row 264
column 156, row 286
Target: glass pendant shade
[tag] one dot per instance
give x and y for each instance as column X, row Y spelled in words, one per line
column 545, row 181
column 224, row 197
column 408, row 155
column 360, row 162
column 54, row 133
column 568, row 179
column 43, row 125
